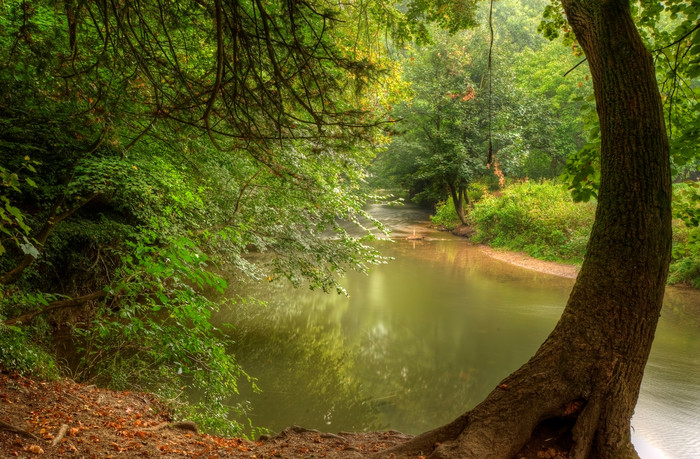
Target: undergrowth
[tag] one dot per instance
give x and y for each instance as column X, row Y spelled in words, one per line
column 540, row 219
column 685, row 265
column 21, row 353
column 445, row 215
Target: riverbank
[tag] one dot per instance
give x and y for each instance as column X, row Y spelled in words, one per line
column 524, row 260
column 62, row 418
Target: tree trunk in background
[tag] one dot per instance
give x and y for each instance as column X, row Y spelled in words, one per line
column 458, row 203
column 582, row 385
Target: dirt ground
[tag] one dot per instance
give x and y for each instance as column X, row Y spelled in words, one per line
column 525, row 261
column 64, row 419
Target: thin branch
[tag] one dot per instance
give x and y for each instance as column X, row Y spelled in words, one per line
column 575, row 66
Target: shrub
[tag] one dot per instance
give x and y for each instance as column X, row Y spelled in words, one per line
column 445, row 215
column 445, row 212
column 538, row 218
column 19, row 353
column 685, row 264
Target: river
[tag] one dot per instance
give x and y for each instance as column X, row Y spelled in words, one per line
column 428, row 335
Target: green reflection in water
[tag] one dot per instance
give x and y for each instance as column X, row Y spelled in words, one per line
column 419, row 340
column 428, row 335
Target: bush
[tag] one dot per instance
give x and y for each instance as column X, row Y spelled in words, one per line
column 19, row 353
column 685, row 264
column 445, row 215
column 538, row 218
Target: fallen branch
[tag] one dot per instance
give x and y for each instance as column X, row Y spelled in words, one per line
column 59, row 304
column 17, row 430
column 61, row 433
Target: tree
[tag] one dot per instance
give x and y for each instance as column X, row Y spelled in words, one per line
column 582, row 384
column 144, row 143
column 441, row 131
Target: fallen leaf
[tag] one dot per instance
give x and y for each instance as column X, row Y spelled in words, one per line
column 36, row 449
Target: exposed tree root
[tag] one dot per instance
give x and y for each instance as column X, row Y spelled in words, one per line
column 551, row 407
column 17, row 430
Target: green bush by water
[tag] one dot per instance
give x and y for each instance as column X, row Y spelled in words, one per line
column 540, row 219
column 685, row 264
column 445, row 214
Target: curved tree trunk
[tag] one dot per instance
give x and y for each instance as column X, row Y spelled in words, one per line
column 582, row 384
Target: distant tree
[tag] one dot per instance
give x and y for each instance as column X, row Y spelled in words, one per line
column 442, row 132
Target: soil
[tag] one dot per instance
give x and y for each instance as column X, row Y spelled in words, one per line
column 520, row 258
column 526, row 261
column 63, row 419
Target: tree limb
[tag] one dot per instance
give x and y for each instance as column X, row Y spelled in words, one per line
column 59, row 304
column 14, row 275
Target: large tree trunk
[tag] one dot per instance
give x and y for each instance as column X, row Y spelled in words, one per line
column 582, row 384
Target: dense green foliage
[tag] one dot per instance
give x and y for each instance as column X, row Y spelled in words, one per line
column 145, row 147
column 540, row 219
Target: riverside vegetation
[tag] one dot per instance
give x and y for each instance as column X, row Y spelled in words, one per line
column 543, row 220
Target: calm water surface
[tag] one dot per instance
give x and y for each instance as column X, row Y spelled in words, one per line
column 428, row 335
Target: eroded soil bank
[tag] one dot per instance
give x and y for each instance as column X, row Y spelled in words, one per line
column 64, row 419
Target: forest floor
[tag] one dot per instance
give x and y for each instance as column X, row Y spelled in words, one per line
column 64, row 419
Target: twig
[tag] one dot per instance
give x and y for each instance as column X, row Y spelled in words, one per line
column 61, row 433
column 575, row 66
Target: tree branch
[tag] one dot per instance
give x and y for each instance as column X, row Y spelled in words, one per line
column 59, row 304
column 13, row 276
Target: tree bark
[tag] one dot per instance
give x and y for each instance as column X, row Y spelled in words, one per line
column 458, row 203
column 584, row 381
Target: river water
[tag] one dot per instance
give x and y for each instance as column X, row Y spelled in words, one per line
column 429, row 334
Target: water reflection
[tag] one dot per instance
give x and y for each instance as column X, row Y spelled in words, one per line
column 428, row 335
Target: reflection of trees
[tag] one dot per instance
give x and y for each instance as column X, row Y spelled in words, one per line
column 303, row 369
column 420, row 339
column 391, row 350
